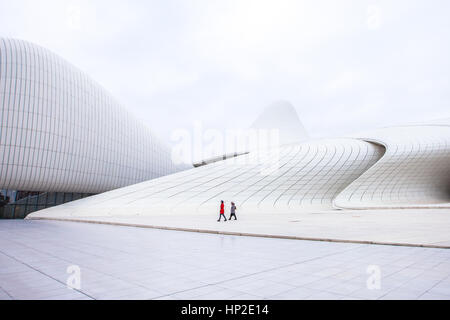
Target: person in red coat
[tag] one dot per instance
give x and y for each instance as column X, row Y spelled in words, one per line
column 222, row 211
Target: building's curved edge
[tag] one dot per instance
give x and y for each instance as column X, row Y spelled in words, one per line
column 380, row 143
column 427, row 145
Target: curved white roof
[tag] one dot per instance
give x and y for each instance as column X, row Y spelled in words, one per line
column 394, row 167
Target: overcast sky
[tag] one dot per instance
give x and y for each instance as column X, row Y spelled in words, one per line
column 345, row 65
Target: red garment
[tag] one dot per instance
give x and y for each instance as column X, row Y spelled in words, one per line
column 222, row 209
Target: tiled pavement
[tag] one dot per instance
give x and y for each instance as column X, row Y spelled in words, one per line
column 421, row 227
column 137, row 263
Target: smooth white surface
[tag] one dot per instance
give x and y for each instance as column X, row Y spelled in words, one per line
column 60, row 131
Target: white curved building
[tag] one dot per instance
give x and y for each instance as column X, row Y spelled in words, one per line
column 395, row 167
column 61, row 132
column 414, row 172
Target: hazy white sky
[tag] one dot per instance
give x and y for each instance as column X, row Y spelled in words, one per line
column 345, row 65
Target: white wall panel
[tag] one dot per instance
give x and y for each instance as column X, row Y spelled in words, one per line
column 414, row 172
column 60, row 131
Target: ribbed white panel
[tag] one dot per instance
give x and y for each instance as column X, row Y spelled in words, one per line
column 414, row 172
column 60, row 131
column 307, row 176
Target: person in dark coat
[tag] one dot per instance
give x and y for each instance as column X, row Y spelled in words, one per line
column 233, row 211
column 222, row 211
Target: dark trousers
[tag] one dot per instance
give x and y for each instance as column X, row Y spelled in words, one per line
column 220, row 217
column 233, row 215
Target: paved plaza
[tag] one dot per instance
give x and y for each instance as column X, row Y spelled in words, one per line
column 416, row 227
column 118, row 262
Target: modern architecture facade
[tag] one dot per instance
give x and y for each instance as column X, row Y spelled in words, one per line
column 63, row 136
column 398, row 167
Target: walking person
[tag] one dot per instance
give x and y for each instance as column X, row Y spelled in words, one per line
column 233, row 211
column 222, row 211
